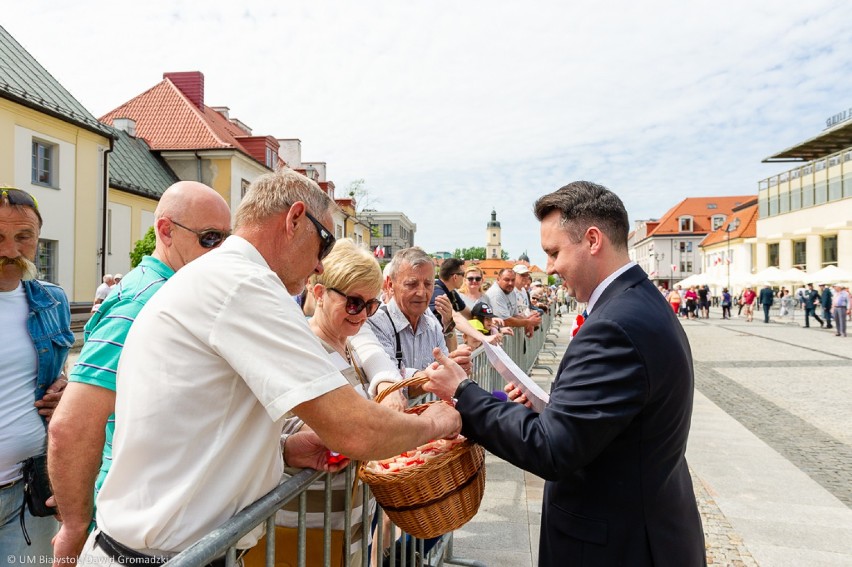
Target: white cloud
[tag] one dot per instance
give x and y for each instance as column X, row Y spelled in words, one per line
column 448, row 109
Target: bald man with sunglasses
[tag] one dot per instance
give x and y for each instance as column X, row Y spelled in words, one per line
column 190, row 220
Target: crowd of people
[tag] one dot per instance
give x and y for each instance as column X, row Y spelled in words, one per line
column 826, row 304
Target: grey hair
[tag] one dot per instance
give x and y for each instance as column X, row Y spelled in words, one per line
column 414, row 257
column 273, row 193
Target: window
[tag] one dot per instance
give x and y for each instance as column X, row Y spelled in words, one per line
column 46, row 260
column 686, row 247
column 44, row 158
column 244, row 185
column 685, row 224
column 387, row 230
column 686, row 266
column 829, row 250
column 388, row 251
column 271, row 158
column 338, row 231
column 800, row 254
column 718, row 221
column 772, row 250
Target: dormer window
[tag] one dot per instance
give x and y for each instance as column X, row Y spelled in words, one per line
column 718, row 221
column 685, row 224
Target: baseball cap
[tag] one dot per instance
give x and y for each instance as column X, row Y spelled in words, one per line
column 482, row 310
column 521, row 269
column 117, row 276
column 536, row 284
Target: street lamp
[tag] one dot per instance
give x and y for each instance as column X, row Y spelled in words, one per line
column 732, row 226
column 657, row 256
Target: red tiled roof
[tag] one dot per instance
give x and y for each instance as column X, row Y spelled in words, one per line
column 701, row 210
column 747, row 226
column 167, row 120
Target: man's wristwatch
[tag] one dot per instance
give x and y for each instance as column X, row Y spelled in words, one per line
column 450, row 328
column 461, row 387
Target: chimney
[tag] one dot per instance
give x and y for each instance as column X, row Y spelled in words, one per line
column 190, row 83
column 125, row 125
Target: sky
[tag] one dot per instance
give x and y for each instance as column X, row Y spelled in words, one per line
column 449, row 109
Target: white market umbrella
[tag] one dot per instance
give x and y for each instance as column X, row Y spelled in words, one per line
column 770, row 275
column 830, row 275
column 795, row 275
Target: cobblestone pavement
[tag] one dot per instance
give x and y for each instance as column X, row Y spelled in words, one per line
column 724, row 546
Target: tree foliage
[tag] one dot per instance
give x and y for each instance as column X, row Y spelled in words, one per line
column 144, row 247
column 476, row 253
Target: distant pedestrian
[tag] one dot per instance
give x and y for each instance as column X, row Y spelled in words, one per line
column 704, row 301
column 103, row 291
column 766, row 298
column 841, row 307
column 825, row 300
column 747, row 299
column 726, row 304
column 812, row 300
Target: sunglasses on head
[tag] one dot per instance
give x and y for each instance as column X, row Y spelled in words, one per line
column 326, row 238
column 474, row 278
column 206, row 238
column 18, row 197
column 355, row 305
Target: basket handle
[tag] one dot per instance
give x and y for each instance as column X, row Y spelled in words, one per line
column 413, row 381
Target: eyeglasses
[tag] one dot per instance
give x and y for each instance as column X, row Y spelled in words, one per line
column 459, row 274
column 18, row 197
column 355, row 305
column 206, row 238
column 327, row 239
column 474, row 278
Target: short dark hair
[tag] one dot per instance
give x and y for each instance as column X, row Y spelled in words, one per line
column 582, row 204
column 450, row 267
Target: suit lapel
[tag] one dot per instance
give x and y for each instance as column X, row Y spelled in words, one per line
column 626, row 280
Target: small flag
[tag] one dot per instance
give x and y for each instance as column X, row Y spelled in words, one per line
column 578, row 322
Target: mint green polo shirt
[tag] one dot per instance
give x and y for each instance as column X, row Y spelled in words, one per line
column 106, row 332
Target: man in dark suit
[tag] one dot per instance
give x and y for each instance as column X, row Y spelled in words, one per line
column 765, row 299
column 611, row 441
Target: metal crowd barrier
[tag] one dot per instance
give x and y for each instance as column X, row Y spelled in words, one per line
column 222, row 541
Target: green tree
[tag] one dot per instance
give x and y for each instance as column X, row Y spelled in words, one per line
column 476, row 253
column 144, row 247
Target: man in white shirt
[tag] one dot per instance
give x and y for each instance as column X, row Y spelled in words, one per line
column 103, row 291
column 505, row 304
column 213, row 365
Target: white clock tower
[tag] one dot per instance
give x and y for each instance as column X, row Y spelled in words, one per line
column 493, row 247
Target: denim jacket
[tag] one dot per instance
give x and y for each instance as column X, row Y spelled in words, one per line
column 49, row 324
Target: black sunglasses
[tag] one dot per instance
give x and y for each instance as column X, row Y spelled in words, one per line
column 326, row 237
column 474, row 278
column 355, row 305
column 210, row 238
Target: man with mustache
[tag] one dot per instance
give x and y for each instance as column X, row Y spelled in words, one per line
column 36, row 323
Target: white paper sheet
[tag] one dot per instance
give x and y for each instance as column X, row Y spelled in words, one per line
column 513, row 374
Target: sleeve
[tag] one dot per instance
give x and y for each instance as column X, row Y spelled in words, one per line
column 263, row 335
column 377, row 365
column 596, row 395
column 98, row 361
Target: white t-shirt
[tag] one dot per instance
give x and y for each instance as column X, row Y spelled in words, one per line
column 504, row 305
column 22, row 432
column 211, row 367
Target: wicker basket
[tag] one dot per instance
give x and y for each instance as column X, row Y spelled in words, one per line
column 436, row 497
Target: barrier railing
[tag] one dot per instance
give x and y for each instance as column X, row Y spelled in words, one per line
column 222, row 541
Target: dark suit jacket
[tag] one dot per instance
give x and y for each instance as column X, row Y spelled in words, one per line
column 611, row 441
column 766, row 296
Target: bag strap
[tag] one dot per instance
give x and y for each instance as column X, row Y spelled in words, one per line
column 398, row 344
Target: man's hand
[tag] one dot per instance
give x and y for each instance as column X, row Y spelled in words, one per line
column 497, row 322
column 444, row 376
column 305, row 449
column 395, row 400
column 507, row 331
column 51, row 398
column 446, row 420
column 516, row 395
column 461, row 356
column 445, row 309
column 68, row 544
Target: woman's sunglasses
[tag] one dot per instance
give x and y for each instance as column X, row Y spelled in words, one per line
column 206, row 238
column 474, row 278
column 355, row 305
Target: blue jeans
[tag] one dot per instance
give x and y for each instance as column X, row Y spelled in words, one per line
column 40, row 530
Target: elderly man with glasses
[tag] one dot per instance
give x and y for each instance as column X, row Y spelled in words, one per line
column 36, row 323
column 190, row 220
column 212, row 367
